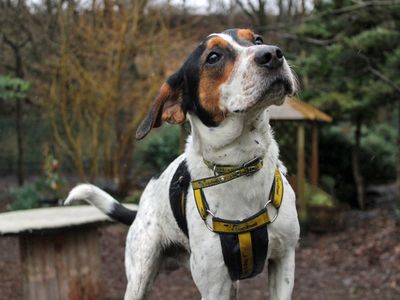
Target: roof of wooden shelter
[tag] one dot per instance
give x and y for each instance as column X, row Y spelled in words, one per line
column 296, row 110
column 42, row 219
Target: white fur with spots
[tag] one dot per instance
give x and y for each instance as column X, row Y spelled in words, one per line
column 239, row 138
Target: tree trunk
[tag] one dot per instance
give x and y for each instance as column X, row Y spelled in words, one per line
column 280, row 6
column 20, row 149
column 19, row 72
column 398, row 156
column 125, row 162
column 358, row 178
column 261, row 15
column 289, row 8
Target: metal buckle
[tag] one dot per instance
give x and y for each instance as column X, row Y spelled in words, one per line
column 214, row 168
column 276, row 211
column 251, row 161
column 251, row 169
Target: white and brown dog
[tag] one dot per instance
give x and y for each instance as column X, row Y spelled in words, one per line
column 224, row 89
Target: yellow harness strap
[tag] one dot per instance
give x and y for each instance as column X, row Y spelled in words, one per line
column 234, row 226
column 227, row 173
column 246, row 253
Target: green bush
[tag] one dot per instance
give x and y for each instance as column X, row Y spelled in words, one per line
column 47, row 188
column 159, row 149
column 318, row 197
column 133, row 198
column 377, row 158
column 25, row 197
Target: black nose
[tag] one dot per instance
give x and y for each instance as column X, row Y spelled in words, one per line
column 270, row 57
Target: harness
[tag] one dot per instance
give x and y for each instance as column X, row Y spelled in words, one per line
column 244, row 242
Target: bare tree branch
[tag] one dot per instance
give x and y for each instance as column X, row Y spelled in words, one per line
column 379, row 74
column 384, row 78
column 252, row 7
column 313, row 41
column 291, row 23
column 362, row 4
column 245, row 11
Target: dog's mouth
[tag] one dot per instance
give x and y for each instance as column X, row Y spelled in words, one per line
column 273, row 91
column 281, row 85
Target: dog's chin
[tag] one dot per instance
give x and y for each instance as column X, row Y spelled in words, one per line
column 274, row 93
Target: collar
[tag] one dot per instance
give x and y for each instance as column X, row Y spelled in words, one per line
column 225, row 173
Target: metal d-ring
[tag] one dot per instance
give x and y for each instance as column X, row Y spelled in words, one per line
column 276, row 209
column 205, row 220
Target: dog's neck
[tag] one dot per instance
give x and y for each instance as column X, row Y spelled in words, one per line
column 234, row 142
column 237, row 140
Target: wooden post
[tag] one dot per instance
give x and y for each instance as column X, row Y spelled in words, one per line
column 301, row 170
column 314, row 155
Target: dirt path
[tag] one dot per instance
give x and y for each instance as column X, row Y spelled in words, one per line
column 362, row 262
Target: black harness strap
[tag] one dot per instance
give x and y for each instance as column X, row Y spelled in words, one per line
column 177, row 195
column 238, row 266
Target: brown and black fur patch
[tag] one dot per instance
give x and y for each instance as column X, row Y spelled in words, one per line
column 245, row 34
column 209, row 89
column 213, row 76
column 244, row 37
column 217, row 42
column 195, row 87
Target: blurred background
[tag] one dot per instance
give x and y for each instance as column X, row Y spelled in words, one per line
column 77, row 77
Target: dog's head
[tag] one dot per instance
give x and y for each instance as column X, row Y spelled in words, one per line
column 233, row 72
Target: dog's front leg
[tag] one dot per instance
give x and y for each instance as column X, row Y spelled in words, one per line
column 281, row 276
column 209, row 271
column 142, row 257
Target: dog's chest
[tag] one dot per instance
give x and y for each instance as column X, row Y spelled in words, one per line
column 240, row 200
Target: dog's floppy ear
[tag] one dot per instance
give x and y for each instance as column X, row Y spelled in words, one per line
column 166, row 107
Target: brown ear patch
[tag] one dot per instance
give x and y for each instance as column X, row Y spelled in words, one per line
column 209, row 89
column 245, row 34
column 166, row 107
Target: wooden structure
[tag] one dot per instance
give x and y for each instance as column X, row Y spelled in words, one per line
column 59, row 251
column 295, row 110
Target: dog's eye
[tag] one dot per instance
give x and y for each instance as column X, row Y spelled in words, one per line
column 258, row 41
column 213, row 58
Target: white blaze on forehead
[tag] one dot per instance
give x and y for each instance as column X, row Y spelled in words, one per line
column 235, row 93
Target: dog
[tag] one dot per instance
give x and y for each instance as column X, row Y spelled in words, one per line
column 223, row 89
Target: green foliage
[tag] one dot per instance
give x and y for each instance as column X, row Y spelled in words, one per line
column 377, row 158
column 159, row 148
column 378, row 155
column 26, row 197
column 317, row 197
column 30, row 195
column 339, row 76
column 13, row 88
column 48, row 187
column 367, row 41
column 133, row 197
column 351, row 73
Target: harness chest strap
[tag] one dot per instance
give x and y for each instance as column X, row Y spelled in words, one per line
column 233, row 226
column 244, row 243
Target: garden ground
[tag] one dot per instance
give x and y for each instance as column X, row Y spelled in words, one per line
column 360, row 262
